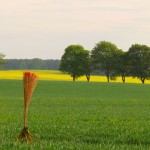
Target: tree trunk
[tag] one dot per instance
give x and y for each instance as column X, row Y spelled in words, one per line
column 107, row 78
column 88, row 77
column 123, row 78
column 74, row 78
column 143, row 80
column 107, row 74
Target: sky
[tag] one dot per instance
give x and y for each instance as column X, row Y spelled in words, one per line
column 44, row 28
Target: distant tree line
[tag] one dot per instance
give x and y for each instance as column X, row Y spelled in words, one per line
column 105, row 58
column 2, row 61
column 108, row 59
column 36, row 63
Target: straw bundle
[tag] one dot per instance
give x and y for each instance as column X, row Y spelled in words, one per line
column 30, row 80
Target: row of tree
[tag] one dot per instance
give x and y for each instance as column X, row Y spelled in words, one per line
column 108, row 59
column 36, row 63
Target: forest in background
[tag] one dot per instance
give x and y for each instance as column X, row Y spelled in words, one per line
column 35, row 63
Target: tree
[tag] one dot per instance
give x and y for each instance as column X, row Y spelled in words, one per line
column 121, row 66
column 2, row 61
column 75, row 61
column 103, row 55
column 139, row 61
column 87, row 64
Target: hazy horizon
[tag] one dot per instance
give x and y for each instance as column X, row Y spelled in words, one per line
column 44, row 28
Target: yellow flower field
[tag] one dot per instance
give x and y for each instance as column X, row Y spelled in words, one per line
column 57, row 75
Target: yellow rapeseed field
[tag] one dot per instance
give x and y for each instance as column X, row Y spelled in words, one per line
column 57, row 75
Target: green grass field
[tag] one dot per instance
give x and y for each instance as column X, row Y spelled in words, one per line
column 77, row 115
